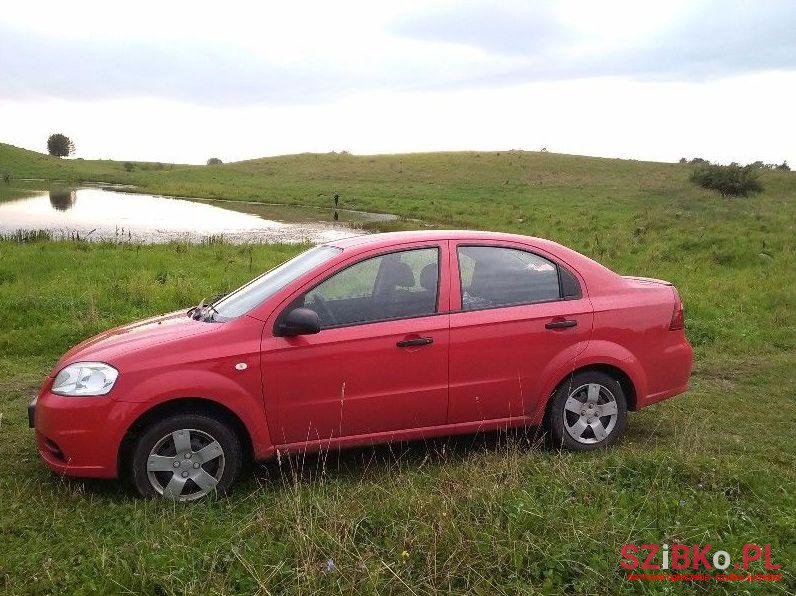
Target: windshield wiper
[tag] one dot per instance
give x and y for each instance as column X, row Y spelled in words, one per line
column 195, row 312
column 198, row 312
column 213, row 311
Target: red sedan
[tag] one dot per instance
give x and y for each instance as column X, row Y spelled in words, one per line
column 365, row 340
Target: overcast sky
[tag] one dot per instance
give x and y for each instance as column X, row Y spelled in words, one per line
column 184, row 81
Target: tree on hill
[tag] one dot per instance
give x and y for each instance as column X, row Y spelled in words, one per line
column 60, row 145
column 214, row 161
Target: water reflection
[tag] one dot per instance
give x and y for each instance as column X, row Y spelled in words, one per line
column 95, row 213
column 293, row 213
column 62, row 198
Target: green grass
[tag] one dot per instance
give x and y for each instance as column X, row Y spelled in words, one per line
column 487, row 514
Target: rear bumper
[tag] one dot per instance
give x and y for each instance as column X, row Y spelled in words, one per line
column 660, row 396
column 672, row 373
column 79, row 436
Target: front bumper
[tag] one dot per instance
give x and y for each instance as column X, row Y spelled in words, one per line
column 79, row 436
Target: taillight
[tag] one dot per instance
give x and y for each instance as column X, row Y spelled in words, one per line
column 678, row 318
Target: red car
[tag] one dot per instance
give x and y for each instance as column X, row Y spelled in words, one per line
column 370, row 339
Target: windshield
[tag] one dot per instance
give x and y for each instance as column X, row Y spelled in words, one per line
column 260, row 288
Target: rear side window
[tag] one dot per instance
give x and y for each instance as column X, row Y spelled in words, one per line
column 493, row 276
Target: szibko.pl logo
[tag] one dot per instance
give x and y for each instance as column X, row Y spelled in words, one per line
column 700, row 558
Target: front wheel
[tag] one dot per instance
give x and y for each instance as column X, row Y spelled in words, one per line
column 186, row 457
column 588, row 411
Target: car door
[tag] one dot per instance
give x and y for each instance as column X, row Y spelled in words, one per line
column 516, row 314
column 380, row 361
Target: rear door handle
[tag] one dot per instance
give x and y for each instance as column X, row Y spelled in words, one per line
column 566, row 324
column 415, row 341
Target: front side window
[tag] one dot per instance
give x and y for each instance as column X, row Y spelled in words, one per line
column 391, row 286
column 256, row 291
column 493, row 276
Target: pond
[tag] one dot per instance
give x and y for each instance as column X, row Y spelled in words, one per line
column 106, row 214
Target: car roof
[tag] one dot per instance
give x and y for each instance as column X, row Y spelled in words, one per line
column 598, row 274
column 391, row 238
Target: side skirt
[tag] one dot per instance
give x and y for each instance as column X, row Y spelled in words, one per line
column 427, row 432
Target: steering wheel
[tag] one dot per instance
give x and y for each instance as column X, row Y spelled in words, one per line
column 323, row 310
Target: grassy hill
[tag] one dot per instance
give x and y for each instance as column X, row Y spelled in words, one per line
column 463, row 186
column 491, row 513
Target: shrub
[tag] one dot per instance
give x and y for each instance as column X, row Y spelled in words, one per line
column 129, row 166
column 214, row 161
column 732, row 180
column 770, row 166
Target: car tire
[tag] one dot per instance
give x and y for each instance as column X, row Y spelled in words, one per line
column 588, row 411
column 186, row 457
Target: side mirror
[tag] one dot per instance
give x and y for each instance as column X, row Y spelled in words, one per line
column 299, row 321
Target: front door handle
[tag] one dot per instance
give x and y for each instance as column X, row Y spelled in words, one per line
column 564, row 324
column 415, row 341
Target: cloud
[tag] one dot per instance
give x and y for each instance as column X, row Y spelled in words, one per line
column 719, row 39
column 711, row 39
column 229, row 59
column 34, row 65
column 507, row 27
column 217, row 72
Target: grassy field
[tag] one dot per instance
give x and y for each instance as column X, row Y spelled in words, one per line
column 488, row 514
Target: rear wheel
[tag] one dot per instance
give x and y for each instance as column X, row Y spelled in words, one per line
column 185, row 458
column 588, row 411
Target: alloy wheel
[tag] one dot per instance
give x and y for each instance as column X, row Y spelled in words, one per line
column 185, row 465
column 590, row 413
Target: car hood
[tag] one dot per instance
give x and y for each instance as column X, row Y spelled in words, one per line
column 109, row 345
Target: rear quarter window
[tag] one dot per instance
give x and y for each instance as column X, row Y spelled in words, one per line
column 570, row 287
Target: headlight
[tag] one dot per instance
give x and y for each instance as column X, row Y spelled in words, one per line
column 85, row 378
